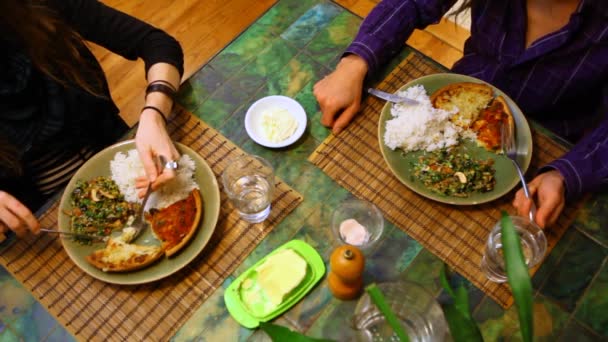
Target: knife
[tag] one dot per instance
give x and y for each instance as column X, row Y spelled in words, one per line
column 391, row 97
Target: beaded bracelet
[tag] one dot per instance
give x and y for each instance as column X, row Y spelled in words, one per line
column 162, row 115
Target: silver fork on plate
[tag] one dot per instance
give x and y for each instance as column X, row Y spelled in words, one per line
column 509, row 147
column 139, row 223
column 92, row 238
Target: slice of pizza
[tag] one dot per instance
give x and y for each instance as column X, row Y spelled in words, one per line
column 176, row 224
column 119, row 256
column 488, row 125
column 466, row 98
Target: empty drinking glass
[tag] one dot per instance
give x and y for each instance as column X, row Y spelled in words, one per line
column 249, row 182
column 358, row 223
column 533, row 244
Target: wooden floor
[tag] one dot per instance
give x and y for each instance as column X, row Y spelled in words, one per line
column 204, row 27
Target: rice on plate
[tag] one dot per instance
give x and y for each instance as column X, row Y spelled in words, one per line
column 127, row 167
column 421, row 126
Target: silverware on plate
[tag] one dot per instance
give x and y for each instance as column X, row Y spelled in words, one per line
column 76, row 235
column 509, row 147
column 391, row 97
column 139, row 223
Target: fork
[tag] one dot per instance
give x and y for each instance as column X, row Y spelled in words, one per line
column 92, row 238
column 509, row 147
column 139, row 223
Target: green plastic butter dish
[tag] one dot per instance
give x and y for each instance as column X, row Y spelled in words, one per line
column 274, row 284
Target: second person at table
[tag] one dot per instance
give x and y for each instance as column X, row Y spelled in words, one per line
column 549, row 56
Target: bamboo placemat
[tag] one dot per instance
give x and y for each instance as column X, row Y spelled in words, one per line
column 93, row 310
column 456, row 234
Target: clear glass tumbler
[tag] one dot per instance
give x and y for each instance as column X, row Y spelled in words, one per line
column 358, row 223
column 249, row 183
column 416, row 309
column 533, row 243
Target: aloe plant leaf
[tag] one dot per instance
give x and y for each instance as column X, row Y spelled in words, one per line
column 460, row 296
column 279, row 333
column 462, row 326
column 518, row 276
column 445, row 283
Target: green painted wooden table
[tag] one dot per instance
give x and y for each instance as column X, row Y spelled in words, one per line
column 285, row 52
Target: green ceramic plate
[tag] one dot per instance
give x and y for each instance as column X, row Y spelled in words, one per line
column 506, row 175
column 99, row 165
column 247, row 317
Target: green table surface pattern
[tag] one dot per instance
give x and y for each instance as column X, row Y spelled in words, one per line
column 293, row 45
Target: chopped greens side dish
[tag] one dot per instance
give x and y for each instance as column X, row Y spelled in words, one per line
column 99, row 208
column 454, row 173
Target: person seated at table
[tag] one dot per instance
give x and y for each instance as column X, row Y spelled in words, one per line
column 55, row 105
column 549, row 56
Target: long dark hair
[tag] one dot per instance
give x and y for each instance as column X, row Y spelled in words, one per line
column 52, row 45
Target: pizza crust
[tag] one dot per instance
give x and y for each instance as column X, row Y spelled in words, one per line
column 507, row 110
column 119, row 256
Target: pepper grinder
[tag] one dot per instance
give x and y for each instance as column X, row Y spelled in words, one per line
column 345, row 278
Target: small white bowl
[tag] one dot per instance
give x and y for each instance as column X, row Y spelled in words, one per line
column 269, row 102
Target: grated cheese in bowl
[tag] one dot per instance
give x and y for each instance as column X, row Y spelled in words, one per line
column 277, row 124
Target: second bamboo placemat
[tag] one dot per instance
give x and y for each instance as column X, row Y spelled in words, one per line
column 456, row 234
column 93, row 310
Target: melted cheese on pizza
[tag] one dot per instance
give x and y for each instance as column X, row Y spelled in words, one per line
column 118, row 252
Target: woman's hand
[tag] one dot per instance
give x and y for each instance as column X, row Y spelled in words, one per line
column 152, row 140
column 15, row 216
column 550, row 193
column 339, row 93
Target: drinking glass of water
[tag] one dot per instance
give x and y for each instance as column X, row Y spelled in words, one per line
column 533, row 245
column 249, row 182
column 416, row 310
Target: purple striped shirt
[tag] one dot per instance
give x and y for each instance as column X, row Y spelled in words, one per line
column 561, row 80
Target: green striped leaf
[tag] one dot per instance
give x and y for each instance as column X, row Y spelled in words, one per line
column 518, row 276
column 279, row 333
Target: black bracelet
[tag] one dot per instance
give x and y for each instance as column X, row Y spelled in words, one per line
column 162, row 115
column 165, row 82
column 162, row 88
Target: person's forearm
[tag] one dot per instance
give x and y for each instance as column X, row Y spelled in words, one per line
column 167, row 74
column 384, row 31
column 354, row 64
column 585, row 167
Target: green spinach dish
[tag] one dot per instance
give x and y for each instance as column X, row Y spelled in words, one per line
column 453, row 173
column 99, row 208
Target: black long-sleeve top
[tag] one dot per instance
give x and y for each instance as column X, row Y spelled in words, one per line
column 51, row 124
